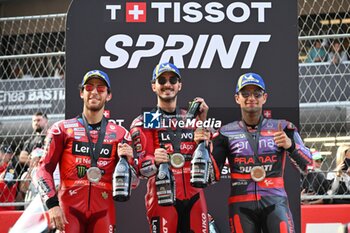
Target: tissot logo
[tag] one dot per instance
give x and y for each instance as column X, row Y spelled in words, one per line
column 190, row 12
column 82, row 148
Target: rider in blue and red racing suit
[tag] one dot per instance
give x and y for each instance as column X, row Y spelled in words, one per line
column 260, row 204
column 249, row 198
column 189, row 214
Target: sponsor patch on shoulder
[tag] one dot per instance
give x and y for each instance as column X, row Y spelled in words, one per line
column 69, row 131
column 55, row 130
column 69, row 121
column 237, row 136
column 79, row 129
column 72, row 125
column 112, row 135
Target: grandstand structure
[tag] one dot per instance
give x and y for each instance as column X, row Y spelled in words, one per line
column 32, row 72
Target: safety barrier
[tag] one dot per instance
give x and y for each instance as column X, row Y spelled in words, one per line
column 314, row 218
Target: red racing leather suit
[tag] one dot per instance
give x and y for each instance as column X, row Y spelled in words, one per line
column 189, row 214
column 88, row 207
column 256, row 206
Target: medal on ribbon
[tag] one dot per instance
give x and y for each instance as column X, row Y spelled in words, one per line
column 177, row 160
column 258, row 173
column 94, row 174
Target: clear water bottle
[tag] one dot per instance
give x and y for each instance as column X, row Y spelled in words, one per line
column 200, row 166
column 122, row 180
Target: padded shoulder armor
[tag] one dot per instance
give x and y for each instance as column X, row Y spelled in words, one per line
column 230, row 128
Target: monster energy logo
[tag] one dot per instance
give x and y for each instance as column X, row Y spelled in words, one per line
column 81, row 170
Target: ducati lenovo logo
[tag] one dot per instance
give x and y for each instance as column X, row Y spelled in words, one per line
column 124, row 50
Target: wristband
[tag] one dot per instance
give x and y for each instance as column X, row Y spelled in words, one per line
column 52, row 202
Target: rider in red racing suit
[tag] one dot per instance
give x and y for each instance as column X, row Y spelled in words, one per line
column 189, row 214
column 89, row 207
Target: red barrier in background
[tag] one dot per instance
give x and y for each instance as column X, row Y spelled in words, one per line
column 324, row 214
column 309, row 214
column 8, row 219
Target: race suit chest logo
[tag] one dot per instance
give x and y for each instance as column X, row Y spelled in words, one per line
column 248, row 165
column 187, row 135
column 81, row 171
column 241, row 146
column 83, row 148
column 124, row 50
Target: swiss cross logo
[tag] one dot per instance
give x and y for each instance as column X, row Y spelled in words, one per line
column 136, row 12
column 267, row 113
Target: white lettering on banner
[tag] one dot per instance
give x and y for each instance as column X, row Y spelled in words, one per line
column 113, row 9
column 216, row 46
column 215, row 15
column 226, row 170
column 31, row 95
column 27, row 106
column 12, row 96
column 214, row 11
column 117, row 121
column 155, row 50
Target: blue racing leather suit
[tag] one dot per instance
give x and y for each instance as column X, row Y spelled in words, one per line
column 259, row 205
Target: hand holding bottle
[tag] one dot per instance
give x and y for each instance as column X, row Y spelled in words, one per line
column 126, row 150
column 122, row 174
column 203, row 108
column 161, row 156
column 199, row 108
column 201, row 134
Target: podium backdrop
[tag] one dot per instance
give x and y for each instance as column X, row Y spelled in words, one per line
column 212, row 42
